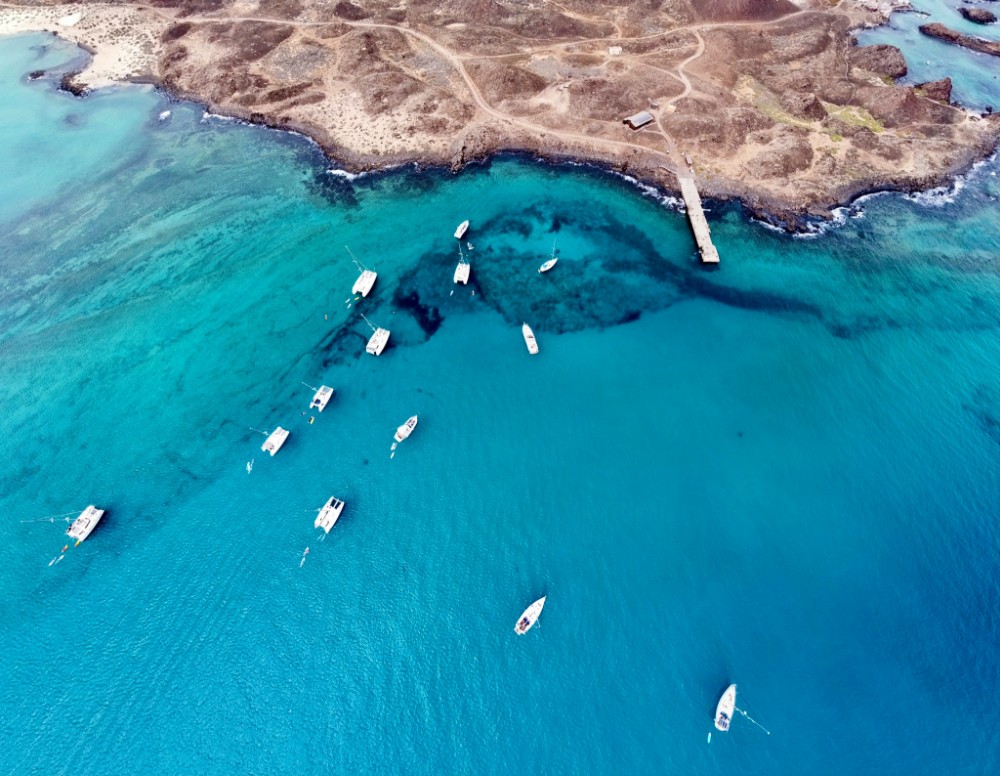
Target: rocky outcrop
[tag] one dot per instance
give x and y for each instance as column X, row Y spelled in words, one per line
column 882, row 60
column 970, row 42
column 978, row 15
column 936, row 90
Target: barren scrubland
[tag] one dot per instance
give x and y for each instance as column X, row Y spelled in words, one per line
column 769, row 100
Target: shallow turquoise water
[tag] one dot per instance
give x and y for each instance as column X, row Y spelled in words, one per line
column 975, row 77
column 785, row 473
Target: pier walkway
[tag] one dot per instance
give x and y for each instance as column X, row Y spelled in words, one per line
column 699, row 225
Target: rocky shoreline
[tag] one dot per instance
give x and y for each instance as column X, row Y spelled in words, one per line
column 939, row 31
column 823, row 145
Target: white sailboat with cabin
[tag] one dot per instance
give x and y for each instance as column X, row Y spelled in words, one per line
column 462, row 229
column 529, row 617
column 724, row 709
column 379, row 339
column 329, row 514
column 365, row 280
column 529, row 339
column 551, row 262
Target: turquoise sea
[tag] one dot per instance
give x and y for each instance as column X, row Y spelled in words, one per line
column 784, row 473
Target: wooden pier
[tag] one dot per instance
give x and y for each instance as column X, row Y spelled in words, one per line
column 699, row 225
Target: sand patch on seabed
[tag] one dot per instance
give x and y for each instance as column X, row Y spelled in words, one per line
column 125, row 40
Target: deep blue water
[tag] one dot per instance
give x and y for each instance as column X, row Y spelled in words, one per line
column 785, row 473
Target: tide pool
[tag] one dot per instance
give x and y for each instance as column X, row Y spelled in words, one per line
column 784, row 473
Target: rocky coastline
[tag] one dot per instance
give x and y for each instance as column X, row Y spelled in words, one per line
column 791, row 138
column 948, row 35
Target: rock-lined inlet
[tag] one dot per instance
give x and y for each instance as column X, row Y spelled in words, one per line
column 770, row 100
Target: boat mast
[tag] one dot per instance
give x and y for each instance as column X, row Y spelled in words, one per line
column 361, row 267
column 368, row 322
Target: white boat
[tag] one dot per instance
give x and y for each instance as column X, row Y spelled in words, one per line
column 365, row 280
column 406, row 429
column 274, row 442
column 85, row 523
column 529, row 339
column 551, row 262
column 322, row 398
column 378, row 340
column 462, row 229
column 329, row 514
column 529, row 616
column 463, row 268
column 724, row 711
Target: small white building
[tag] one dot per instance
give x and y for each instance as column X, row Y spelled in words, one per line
column 615, row 51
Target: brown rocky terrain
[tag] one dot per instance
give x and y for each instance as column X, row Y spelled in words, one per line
column 769, row 99
column 978, row 15
column 939, row 31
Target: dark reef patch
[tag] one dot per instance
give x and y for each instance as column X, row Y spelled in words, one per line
column 429, row 318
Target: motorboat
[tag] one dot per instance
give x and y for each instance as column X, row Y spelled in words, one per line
column 322, row 398
column 84, row 525
column 724, row 710
column 329, row 515
column 529, row 617
column 529, row 339
column 274, row 442
column 406, row 429
column 462, row 229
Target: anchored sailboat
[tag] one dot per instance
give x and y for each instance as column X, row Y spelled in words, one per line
column 529, row 617
column 724, row 709
column 529, row 339
column 379, row 339
column 367, row 278
column 551, row 262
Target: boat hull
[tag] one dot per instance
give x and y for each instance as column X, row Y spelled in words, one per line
column 274, row 442
column 329, row 514
column 378, row 342
column 363, row 285
column 462, row 273
column 724, row 709
column 322, row 398
column 529, row 339
column 85, row 524
column 462, row 229
column 529, row 617
column 548, row 265
column 404, row 431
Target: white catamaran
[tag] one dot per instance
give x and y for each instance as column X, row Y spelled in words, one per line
column 365, row 280
column 462, row 229
column 329, row 515
column 85, row 523
column 378, row 341
column 551, row 262
column 529, row 339
column 274, row 442
column 406, row 429
column 724, row 711
column 529, row 617
column 322, row 398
